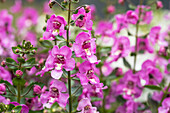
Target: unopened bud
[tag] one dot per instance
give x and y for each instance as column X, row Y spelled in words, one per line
column 111, row 9
column 87, row 8
column 159, row 4
column 2, row 89
column 121, row 2
column 33, row 51
column 51, row 3
column 41, row 39
column 17, row 50
column 3, row 64
column 13, row 111
column 41, row 61
column 19, row 73
column 37, row 89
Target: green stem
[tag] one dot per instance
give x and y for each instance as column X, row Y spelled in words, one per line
column 19, row 93
column 69, row 78
column 165, row 94
column 136, row 37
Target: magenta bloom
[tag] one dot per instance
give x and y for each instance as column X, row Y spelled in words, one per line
column 104, row 28
column 55, row 26
column 24, row 109
column 121, row 22
column 121, row 48
column 2, row 89
column 58, row 59
column 156, row 37
column 146, row 16
column 86, row 74
column 165, row 106
column 46, row 8
column 29, row 18
column 129, row 86
column 155, row 76
column 143, row 45
column 85, row 47
column 56, row 94
column 85, row 106
column 5, row 75
column 159, row 4
column 106, row 69
column 131, row 17
column 111, row 9
column 17, row 7
column 84, row 22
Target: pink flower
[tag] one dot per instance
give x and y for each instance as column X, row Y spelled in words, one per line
column 121, row 22
column 121, row 48
column 165, row 106
column 29, row 18
column 5, row 75
column 106, row 69
column 121, row 2
column 24, row 109
column 58, row 59
column 131, row 17
column 84, row 22
column 93, row 11
column 56, row 94
column 111, row 9
column 86, row 74
column 146, row 16
column 156, row 37
column 129, row 86
column 17, row 7
column 159, row 4
column 46, row 8
column 55, row 26
column 37, row 89
column 85, row 106
column 85, row 47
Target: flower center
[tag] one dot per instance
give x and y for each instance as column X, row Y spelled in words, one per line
column 89, row 74
column 60, row 59
column 130, row 84
column 86, row 44
column 120, row 47
column 87, row 107
column 54, row 92
column 56, row 24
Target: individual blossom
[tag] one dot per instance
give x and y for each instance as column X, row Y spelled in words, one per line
column 17, row 7
column 37, row 89
column 57, row 93
column 131, row 17
column 121, row 48
column 24, row 109
column 93, row 11
column 29, row 18
column 85, row 106
column 129, row 86
column 159, row 4
column 111, row 9
column 120, row 22
column 150, row 70
column 146, row 14
column 83, row 19
column 58, row 59
column 165, row 106
column 34, row 103
column 155, row 36
column 85, row 47
column 86, row 74
column 5, row 75
column 143, row 45
column 55, row 26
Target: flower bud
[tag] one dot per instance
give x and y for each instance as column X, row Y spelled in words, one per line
column 37, row 89
column 13, row 111
column 33, row 51
column 19, row 73
column 51, row 3
column 3, row 64
column 41, row 39
column 17, row 50
column 77, row 65
column 41, row 61
column 87, row 8
column 121, row 2
column 2, row 89
column 159, row 4
column 3, row 1
column 111, row 9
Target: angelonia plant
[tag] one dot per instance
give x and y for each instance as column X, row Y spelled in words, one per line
column 78, row 65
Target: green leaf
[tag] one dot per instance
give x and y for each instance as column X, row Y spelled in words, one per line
column 76, row 11
column 153, row 87
column 75, row 1
column 46, row 43
column 60, row 38
column 76, row 90
column 126, row 63
column 14, row 50
column 168, row 67
column 16, row 81
column 29, row 63
column 10, row 106
column 93, row 99
column 11, row 87
column 21, row 60
column 12, row 63
column 17, row 109
column 132, row 6
column 152, row 104
column 62, row 44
